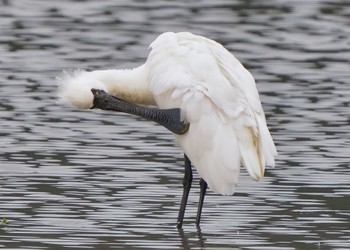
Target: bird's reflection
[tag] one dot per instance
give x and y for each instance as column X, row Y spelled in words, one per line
column 184, row 237
column 200, row 237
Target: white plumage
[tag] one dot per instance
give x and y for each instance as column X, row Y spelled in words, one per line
column 216, row 94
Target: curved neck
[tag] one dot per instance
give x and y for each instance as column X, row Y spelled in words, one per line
column 129, row 84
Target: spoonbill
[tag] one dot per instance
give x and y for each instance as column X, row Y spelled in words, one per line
column 199, row 91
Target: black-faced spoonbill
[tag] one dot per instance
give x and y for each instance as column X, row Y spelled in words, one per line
column 201, row 93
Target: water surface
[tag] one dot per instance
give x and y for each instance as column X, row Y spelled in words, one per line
column 91, row 179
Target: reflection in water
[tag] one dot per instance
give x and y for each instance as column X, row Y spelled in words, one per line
column 185, row 241
column 91, row 179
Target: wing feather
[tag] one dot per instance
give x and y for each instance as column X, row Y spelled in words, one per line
column 218, row 97
column 239, row 76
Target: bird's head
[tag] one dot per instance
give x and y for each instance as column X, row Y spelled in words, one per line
column 101, row 98
column 75, row 88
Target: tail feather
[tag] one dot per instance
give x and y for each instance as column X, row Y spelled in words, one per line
column 267, row 147
column 248, row 146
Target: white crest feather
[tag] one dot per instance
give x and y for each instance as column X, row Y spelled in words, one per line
column 75, row 88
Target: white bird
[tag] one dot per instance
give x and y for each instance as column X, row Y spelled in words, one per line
column 222, row 123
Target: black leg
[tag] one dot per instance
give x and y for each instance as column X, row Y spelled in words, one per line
column 204, row 187
column 187, row 186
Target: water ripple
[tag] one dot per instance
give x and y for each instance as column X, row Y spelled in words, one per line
column 85, row 179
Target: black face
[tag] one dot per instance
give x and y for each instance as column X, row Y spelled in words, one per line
column 95, row 93
column 105, row 101
column 100, row 98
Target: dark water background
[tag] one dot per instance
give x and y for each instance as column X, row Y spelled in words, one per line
column 90, row 179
